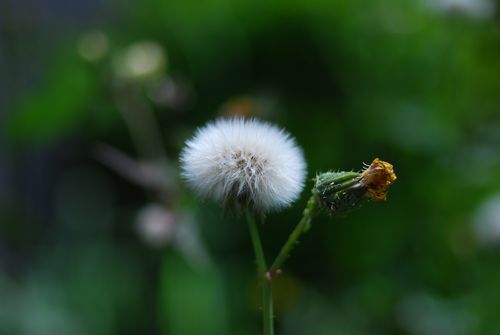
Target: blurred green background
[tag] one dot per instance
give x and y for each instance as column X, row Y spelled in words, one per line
column 98, row 235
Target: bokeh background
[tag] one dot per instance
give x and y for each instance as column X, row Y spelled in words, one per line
column 98, row 235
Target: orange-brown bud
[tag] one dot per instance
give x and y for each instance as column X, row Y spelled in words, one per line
column 377, row 178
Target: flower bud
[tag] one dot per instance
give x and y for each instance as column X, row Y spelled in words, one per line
column 341, row 192
column 377, row 177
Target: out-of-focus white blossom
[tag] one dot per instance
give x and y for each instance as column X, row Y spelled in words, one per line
column 478, row 9
column 93, row 45
column 424, row 314
column 156, row 225
column 172, row 93
column 486, row 221
column 141, row 60
column 244, row 161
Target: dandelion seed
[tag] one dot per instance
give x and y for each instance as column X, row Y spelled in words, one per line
column 244, row 162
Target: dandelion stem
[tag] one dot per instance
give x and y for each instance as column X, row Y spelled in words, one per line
column 267, row 298
column 301, row 227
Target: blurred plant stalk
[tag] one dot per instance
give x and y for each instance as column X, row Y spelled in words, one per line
column 137, row 70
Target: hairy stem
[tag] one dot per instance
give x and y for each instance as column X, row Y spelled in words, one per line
column 267, row 298
column 301, row 227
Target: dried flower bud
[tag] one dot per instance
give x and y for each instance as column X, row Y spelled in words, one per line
column 377, row 177
column 340, row 192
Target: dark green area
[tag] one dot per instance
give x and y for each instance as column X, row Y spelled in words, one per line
column 91, row 147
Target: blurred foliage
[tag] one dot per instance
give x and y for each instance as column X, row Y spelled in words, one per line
column 98, row 235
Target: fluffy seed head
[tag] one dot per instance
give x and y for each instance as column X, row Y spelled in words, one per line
column 247, row 162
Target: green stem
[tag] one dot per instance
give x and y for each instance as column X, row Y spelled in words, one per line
column 301, row 227
column 267, row 297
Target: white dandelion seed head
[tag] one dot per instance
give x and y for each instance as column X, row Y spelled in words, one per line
column 246, row 161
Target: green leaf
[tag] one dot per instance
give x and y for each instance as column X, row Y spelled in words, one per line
column 56, row 107
column 192, row 299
